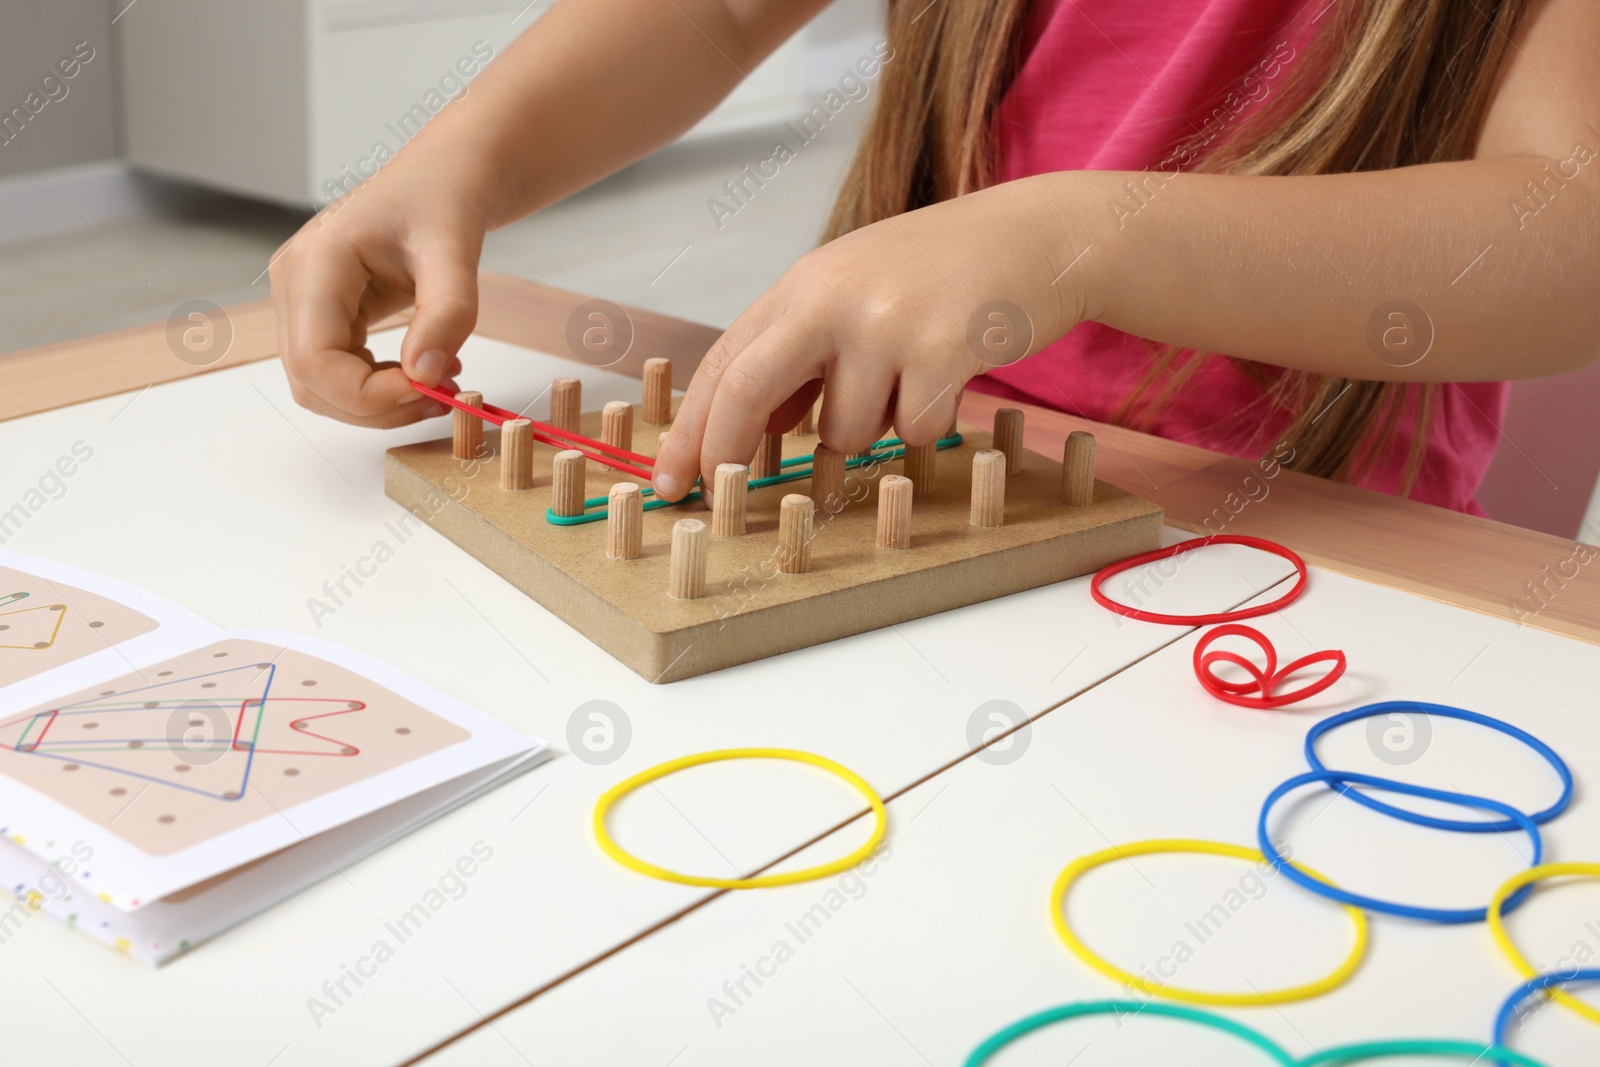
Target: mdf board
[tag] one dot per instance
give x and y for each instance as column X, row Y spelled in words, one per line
column 749, row 611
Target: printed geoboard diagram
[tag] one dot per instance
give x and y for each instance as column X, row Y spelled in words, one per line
column 44, row 624
column 176, row 779
column 212, row 740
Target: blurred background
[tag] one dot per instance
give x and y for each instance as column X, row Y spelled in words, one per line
column 195, row 136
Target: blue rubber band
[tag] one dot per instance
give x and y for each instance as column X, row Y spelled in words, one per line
column 1502, row 1021
column 1445, row 711
column 1404, row 911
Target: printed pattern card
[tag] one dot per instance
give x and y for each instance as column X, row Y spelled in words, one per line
column 58, row 623
column 161, row 780
column 197, row 763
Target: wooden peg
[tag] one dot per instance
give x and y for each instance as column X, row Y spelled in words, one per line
column 566, row 404
column 686, row 573
column 616, row 424
column 567, row 476
column 894, row 511
column 794, row 534
column 988, row 488
column 1077, row 469
column 516, row 454
column 730, row 500
column 807, row 423
column 919, row 467
column 624, row 521
column 769, row 456
column 467, row 429
column 1008, row 437
column 827, row 479
column 656, row 410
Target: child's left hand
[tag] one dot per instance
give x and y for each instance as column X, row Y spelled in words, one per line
column 889, row 322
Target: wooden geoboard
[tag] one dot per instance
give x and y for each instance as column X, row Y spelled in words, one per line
column 748, row 611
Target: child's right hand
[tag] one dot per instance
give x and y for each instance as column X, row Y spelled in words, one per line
column 548, row 117
column 407, row 236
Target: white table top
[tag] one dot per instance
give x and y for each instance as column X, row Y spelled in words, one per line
column 222, row 495
column 949, row 938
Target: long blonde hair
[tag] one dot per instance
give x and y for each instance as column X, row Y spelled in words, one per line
column 1382, row 84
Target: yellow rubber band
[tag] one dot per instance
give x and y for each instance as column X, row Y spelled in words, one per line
column 765, row 881
column 1497, row 925
column 1083, row 864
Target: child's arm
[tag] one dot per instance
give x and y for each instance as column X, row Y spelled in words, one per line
column 1287, row 270
column 588, row 88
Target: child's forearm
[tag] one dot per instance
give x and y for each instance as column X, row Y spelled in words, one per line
column 592, row 86
column 896, row 317
column 1307, row 272
column 1447, row 272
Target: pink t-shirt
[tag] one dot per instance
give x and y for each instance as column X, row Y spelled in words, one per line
column 1117, row 85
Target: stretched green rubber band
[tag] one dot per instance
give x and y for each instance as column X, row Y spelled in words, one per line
column 873, row 456
column 1377, row 1050
column 1342, row 1054
column 1039, row 1020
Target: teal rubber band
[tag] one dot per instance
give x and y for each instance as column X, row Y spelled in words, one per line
column 1050, row 1016
column 892, row 444
column 1377, row 1050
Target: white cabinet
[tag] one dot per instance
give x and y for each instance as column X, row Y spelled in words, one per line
column 290, row 99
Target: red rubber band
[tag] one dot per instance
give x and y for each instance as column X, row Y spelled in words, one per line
column 605, row 454
column 1179, row 549
column 1261, row 682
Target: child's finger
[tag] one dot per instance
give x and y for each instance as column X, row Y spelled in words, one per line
column 322, row 305
column 402, row 415
column 925, row 408
column 754, row 385
column 855, row 404
column 447, row 310
column 678, row 461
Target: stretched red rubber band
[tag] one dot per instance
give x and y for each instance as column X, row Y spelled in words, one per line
column 606, row 454
column 556, row 435
column 556, row 431
column 1185, row 546
column 1258, row 691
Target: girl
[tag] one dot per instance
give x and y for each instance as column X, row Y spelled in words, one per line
column 1325, row 231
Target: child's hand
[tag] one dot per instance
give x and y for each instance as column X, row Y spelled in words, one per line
column 401, row 238
column 893, row 319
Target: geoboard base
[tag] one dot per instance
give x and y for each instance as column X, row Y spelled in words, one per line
column 749, row 611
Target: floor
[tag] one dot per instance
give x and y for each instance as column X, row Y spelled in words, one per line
column 644, row 236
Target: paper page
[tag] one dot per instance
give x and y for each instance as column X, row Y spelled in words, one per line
column 60, row 626
column 192, row 765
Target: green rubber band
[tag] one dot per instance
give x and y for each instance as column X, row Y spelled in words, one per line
column 1377, row 1050
column 1039, row 1020
column 872, row 456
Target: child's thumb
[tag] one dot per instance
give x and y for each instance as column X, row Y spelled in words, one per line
column 446, row 311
